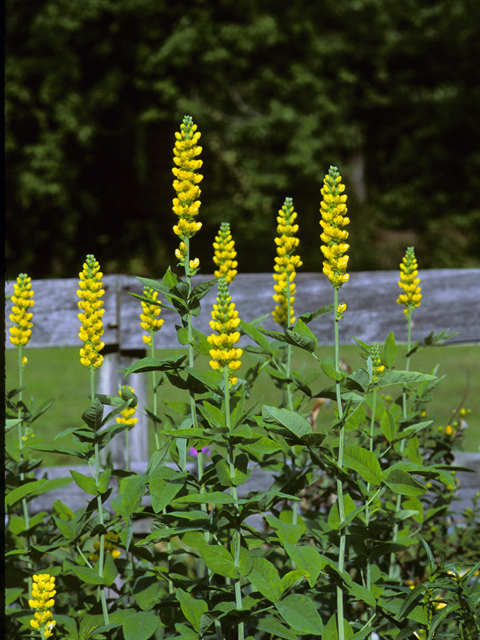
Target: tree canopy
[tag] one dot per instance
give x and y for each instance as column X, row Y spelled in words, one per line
column 388, row 92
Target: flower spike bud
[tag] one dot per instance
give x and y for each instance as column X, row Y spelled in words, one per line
column 187, row 204
column 127, row 415
column 286, row 263
column 409, row 282
column 378, row 367
column 43, row 591
column 225, row 321
column 90, row 292
column 333, row 210
column 225, row 254
column 21, row 315
column 109, row 546
column 149, row 317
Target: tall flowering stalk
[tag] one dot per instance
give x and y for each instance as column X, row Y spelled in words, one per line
column 226, row 358
column 90, row 292
column 225, row 254
column 43, row 591
column 150, row 322
column 286, row 264
column 410, row 297
column 333, row 210
column 186, row 206
column 127, row 417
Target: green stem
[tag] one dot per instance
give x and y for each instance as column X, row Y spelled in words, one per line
column 154, row 389
column 100, row 509
column 394, row 570
column 369, row 486
column 233, row 493
column 341, row 505
column 289, row 388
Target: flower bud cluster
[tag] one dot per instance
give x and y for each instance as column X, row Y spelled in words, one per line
column 408, row 283
column 109, row 546
column 149, row 317
column 378, row 367
column 21, row 316
column 127, row 415
column 187, row 204
column 333, row 210
column 43, row 590
column 225, row 321
column 91, row 330
column 225, row 254
column 286, row 263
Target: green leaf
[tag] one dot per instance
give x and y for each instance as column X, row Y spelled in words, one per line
column 388, row 426
column 93, row 415
column 264, row 577
column 359, row 380
column 364, row 463
column 103, row 481
column 402, row 482
column 192, row 607
column 431, row 559
column 275, row 628
column 87, row 575
column 300, row 613
column 85, row 483
column 308, row 559
column 201, row 290
column 210, row 379
column 35, row 488
column 253, row 333
column 155, row 364
column 330, row 631
column 403, row 378
column 213, row 415
column 290, row 533
column 11, row 595
column 291, row 420
column 130, row 496
column 140, row 626
column 390, row 350
column 214, row 497
column 360, row 593
column 293, row 579
column 219, row 560
column 308, row 317
column 301, row 336
column 146, row 591
column 110, row 571
column 328, row 368
column 165, row 483
column 334, row 516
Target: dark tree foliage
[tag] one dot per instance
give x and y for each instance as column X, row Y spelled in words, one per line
column 387, row 91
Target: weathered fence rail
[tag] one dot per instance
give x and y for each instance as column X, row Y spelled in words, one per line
column 451, row 300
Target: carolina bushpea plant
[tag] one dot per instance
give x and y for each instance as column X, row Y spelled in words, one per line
column 349, row 547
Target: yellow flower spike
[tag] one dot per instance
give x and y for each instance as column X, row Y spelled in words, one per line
column 378, row 367
column 286, row 263
column 90, row 292
column 187, row 204
column 109, row 546
column 43, row 590
column 149, row 317
column 409, row 282
column 127, row 415
column 225, row 254
column 225, row 321
column 22, row 300
column 333, row 210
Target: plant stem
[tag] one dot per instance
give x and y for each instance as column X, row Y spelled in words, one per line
column 341, row 505
column 394, row 570
column 154, row 389
column 289, row 389
column 233, row 493
column 369, row 486
column 101, row 591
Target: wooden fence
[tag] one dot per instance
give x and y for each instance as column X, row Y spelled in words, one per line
column 451, row 300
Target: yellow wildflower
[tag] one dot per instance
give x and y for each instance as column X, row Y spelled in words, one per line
column 409, row 282
column 43, row 590
column 91, row 330
column 109, row 546
column 333, row 210
column 286, row 264
column 225, row 321
column 187, row 204
column 21, row 316
column 149, row 316
column 127, row 415
column 378, row 367
column 225, row 254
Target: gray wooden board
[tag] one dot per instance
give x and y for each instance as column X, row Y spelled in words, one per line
column 451, row 300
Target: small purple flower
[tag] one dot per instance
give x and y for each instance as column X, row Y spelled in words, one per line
column 193, row 452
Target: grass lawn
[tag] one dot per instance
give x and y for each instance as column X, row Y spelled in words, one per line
column 57, row 373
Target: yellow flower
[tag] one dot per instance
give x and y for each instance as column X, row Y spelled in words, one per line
column 91, row 330
column 187, row 204
column 21, row 316
column 225, row 321
column 149, row 317
column 409, row 282
column 378, row 367
column 333, row 210
column 109, row 546
column 43, row 590
column 286, row 264
column 225, row 254
column 126, row 416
